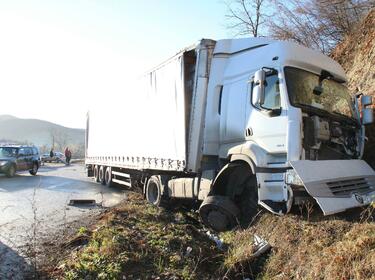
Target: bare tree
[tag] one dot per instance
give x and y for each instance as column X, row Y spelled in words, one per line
column 246, row 16
column 319, row 24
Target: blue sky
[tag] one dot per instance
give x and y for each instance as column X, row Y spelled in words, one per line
column 68, row 56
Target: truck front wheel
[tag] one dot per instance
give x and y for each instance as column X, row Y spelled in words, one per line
column 219, row 213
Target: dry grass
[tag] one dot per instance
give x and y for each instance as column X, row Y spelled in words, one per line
column 328, row 248
column 138, row 241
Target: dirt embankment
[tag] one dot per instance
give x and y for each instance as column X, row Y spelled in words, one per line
column 138, row 241
column 357, row 55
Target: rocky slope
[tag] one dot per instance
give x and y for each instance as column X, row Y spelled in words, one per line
column 357, row 55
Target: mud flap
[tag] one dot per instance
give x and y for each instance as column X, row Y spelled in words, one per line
column 337, row 185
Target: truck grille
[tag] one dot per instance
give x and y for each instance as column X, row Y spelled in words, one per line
column 347, row 187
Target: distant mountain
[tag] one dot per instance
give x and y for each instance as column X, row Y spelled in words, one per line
column 38, row 132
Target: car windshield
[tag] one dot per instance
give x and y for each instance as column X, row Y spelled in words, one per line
column 8, row 152
column 335, row 97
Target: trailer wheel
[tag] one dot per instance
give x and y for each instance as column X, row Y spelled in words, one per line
column 96, row 173
column 219, row 213
column 108, row 177
column 154, row 191
column 89, row 171
column 101, row 175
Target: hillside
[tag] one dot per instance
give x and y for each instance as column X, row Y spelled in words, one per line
column 357, row 55
column 138, row 241
column 38, row 132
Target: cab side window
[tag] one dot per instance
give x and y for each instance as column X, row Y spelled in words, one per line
column 272, row 93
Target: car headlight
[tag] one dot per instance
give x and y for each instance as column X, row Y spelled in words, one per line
column 3, row 162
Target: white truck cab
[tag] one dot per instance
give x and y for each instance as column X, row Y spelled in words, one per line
column 285, row 110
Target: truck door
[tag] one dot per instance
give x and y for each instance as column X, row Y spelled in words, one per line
column 267, row 123
column 233, row 112
column 266, row 127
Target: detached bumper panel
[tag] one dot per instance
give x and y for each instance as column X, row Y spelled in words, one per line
column 337, row 185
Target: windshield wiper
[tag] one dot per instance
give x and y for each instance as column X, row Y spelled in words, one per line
column 325, row 113
column 346, row 117
column 313, row 109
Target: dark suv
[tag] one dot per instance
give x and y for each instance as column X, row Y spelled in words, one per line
column 16, row 158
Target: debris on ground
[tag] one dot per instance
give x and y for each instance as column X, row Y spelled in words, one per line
column 82, row 202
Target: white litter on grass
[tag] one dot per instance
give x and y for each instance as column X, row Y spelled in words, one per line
column 260, row 245
column 215, row 238
column 188, row 251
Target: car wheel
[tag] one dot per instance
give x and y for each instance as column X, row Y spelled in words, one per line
column 34, row 170
column 11, row 171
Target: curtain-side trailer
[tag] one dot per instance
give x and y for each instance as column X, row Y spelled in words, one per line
column 237, row 123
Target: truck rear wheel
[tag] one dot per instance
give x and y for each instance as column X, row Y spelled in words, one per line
column 101, row 174
column 219, row 213
column 96, row 173
column 154, row 191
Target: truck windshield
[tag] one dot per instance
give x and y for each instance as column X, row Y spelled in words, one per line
column 335, row 97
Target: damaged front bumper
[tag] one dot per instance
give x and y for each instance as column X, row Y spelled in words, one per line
column 336, row 185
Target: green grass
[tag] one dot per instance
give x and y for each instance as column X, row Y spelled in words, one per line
column 140, row 241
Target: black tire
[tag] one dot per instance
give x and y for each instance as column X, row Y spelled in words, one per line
column 101, row 174
column 96, row 173
column 154, row 191
column 11, row 171
column 89, row 171
column 219, row 213
column 34, row 170
column 108, row 177
column 248, row 201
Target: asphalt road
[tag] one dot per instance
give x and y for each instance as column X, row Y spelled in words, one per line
column 33, row 207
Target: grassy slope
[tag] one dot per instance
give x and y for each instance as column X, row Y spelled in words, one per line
column 139, row 241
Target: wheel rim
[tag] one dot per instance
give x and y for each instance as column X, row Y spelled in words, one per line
column 152, row 192
column 12, row 171
column 35, row 168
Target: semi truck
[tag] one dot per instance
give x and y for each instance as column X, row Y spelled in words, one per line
column 235, row 124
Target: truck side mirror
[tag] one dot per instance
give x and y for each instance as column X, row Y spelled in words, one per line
column 366, row 100
column 367, row 113
column 258, row 88
column 367, row 116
